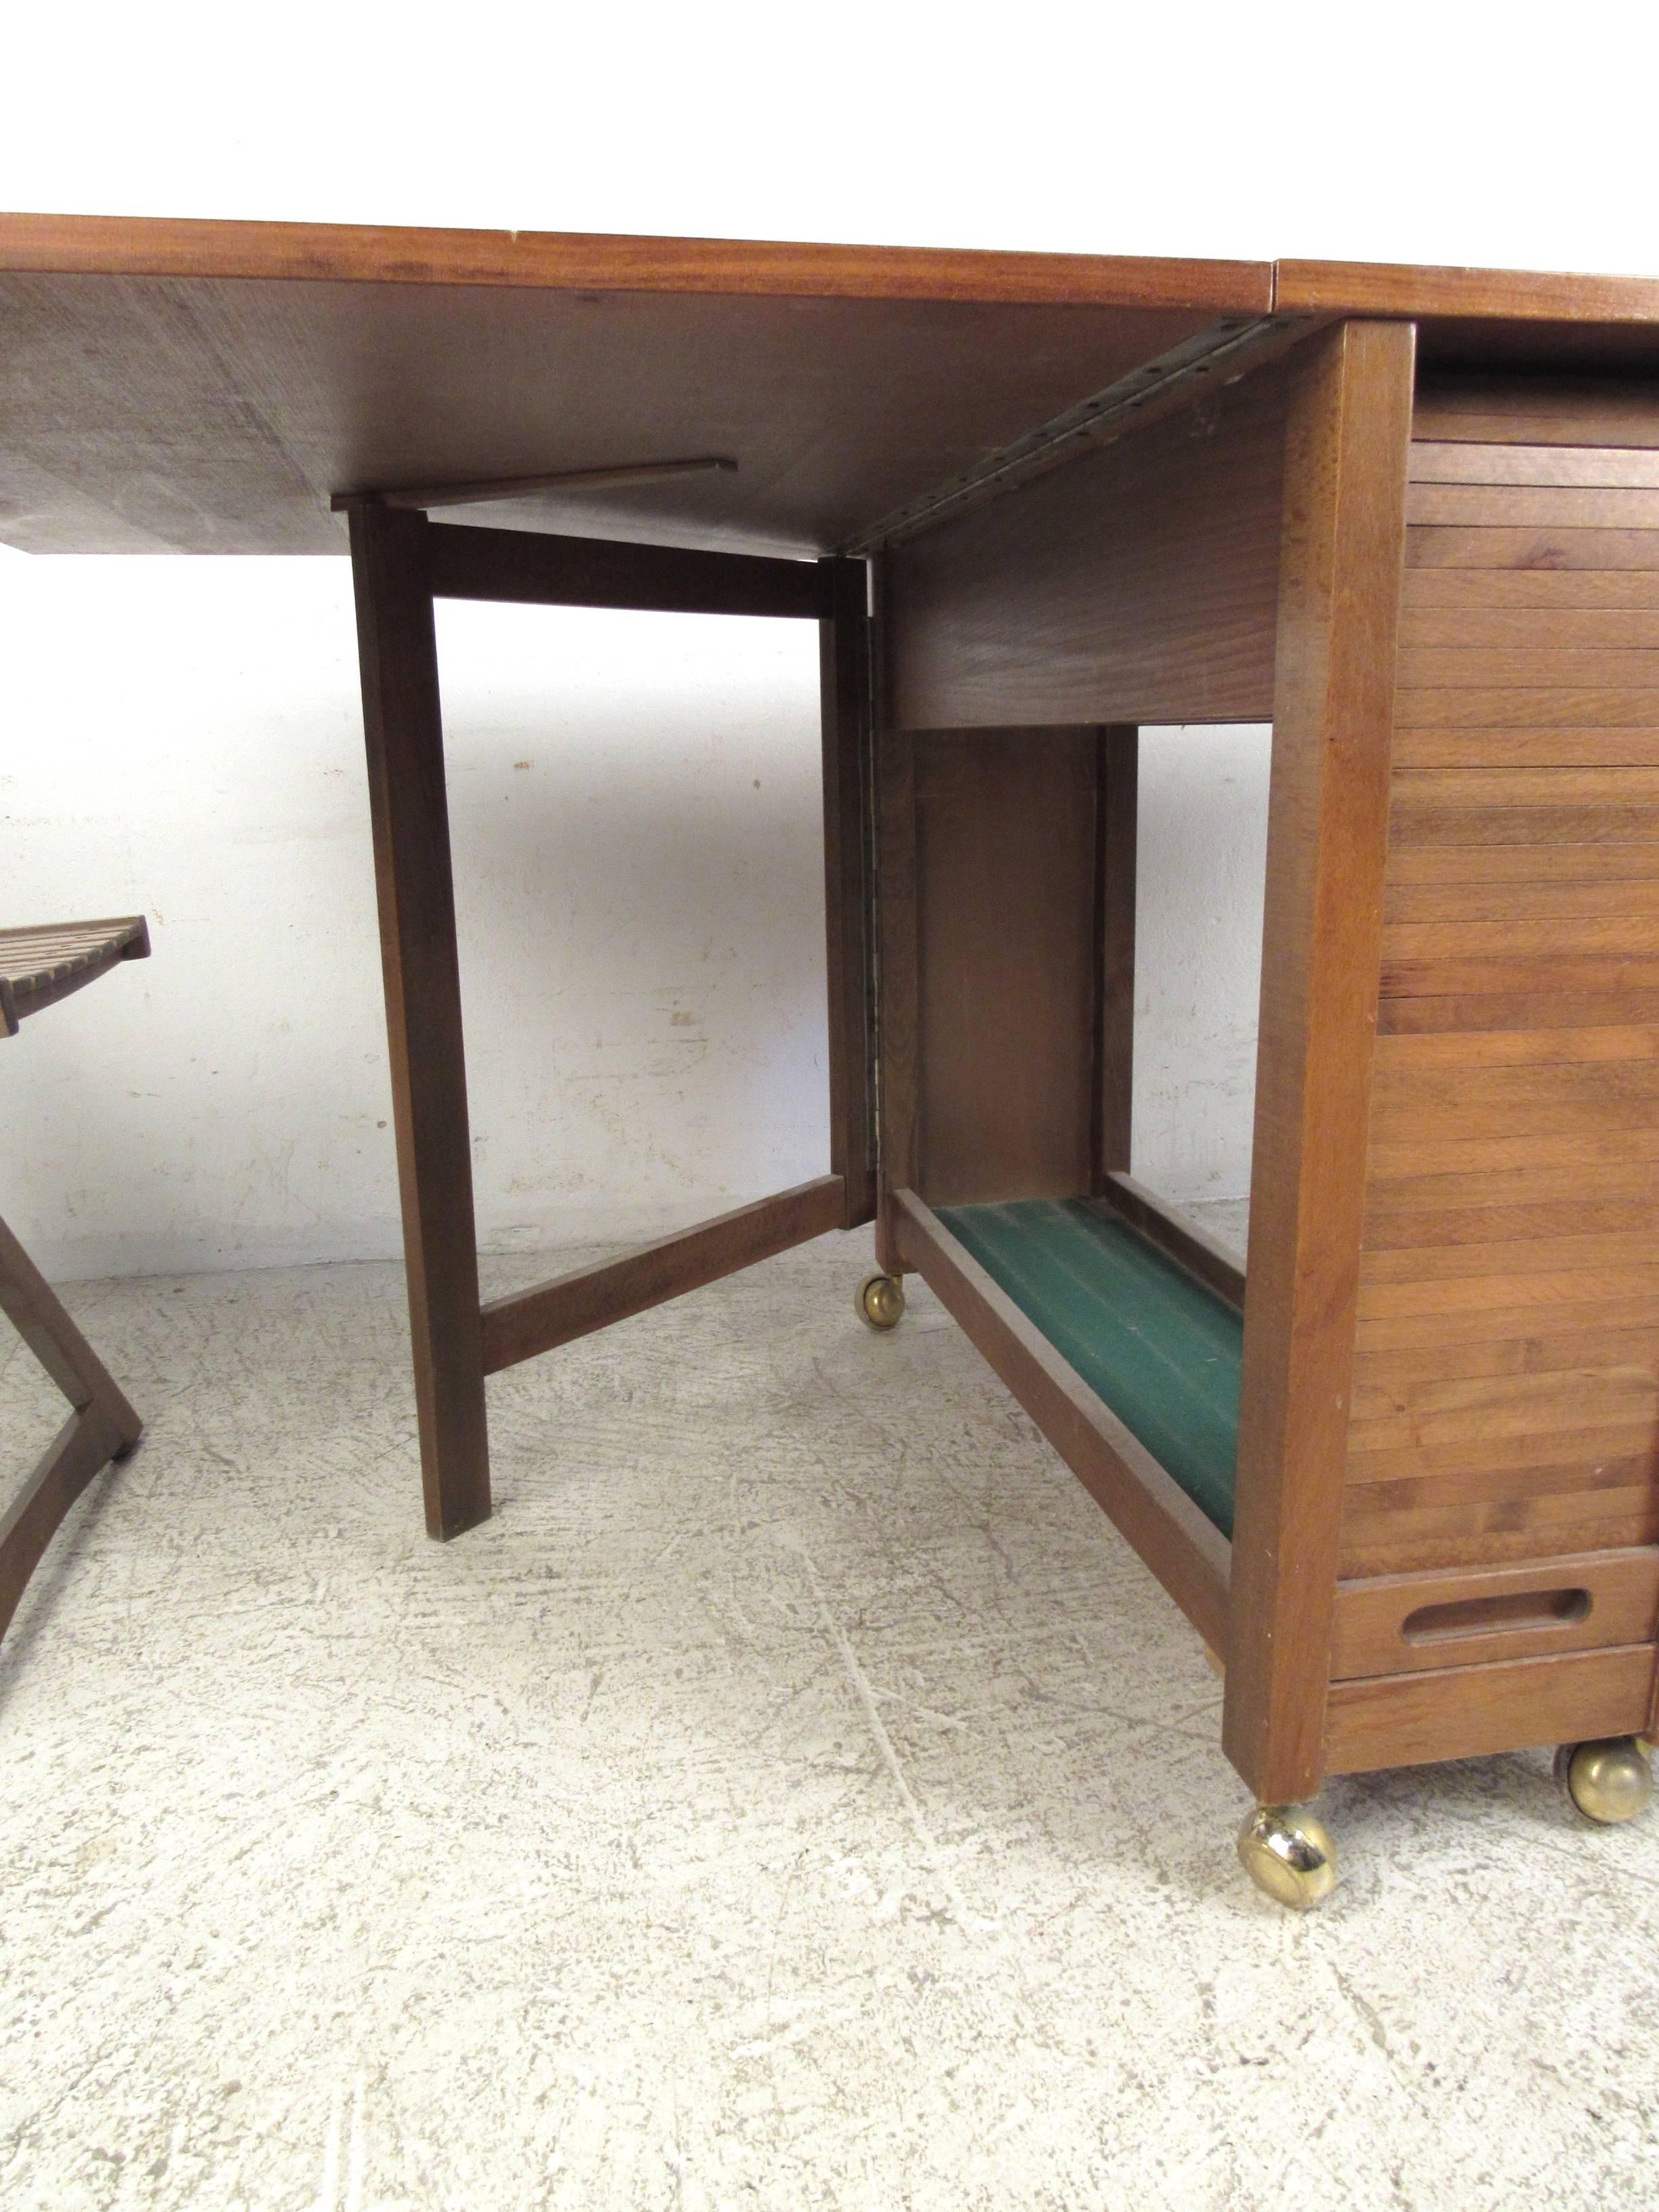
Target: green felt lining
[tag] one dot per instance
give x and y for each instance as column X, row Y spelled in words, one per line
column 1161, row 1349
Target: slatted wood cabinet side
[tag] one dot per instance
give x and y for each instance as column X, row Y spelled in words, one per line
column 1501, row 1508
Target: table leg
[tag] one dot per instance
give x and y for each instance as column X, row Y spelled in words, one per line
column 397, row 649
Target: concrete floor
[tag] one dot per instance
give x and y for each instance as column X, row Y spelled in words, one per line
column 796, row 1796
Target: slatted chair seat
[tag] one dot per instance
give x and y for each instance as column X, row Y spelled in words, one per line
column 38, row 966
column 42, row 965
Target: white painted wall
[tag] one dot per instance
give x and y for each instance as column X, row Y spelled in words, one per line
column 182, row 736
column 634, row 810
column 1200, row 873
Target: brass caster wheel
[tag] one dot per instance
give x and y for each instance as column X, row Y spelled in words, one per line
column 879, row 1302
column 1609, row 1781
column 1289, row 1854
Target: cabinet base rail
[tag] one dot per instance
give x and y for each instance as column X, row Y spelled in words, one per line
column 1176, row 1539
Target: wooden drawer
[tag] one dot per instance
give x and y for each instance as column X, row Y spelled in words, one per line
column 1476, row 1616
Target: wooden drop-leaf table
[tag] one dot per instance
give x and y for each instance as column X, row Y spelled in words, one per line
column 1402, row 1475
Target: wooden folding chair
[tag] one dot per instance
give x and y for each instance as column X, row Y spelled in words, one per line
column 38, row 966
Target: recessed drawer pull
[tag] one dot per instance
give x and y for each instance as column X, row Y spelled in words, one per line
column 1486, row 1616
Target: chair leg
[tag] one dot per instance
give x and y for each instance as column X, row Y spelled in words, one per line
column 102, row 1426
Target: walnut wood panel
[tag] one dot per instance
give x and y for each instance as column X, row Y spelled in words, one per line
column 207, row 387
column 1633, row 784
column 1182, row 1546
column 1422, row 1415
column 1380, row 1492
column 1552, row 506
column 1398, row 1624
column 1580, row 1183
column 1458, row 463
column 1136, row 584
column 606, row 261
column 408, row 813
column 1549, row 933
column 1471, row 1102
column 1006, row 852
column 1465, row 1713
column 1526, row 412
column 1547, row 1283
column 1531, row 628
column 1462, row 1226
column 579, row 261
column 1614, row 1041
column 1436, row 982
column 1342, row 541
column 1540, row 748
column 1614, row 1511
column 1412, row 823
column 1500, row 1546
column 1375, row 287
column 1597, row 860
column 1506, row 1393
column 845, row 380
column 1592, row 1307
column 1536, row 707
column 1433, row 590
column 1561, row 1448
column 1555, row 1346
column 1448, row 546
column 1396, row 1166
column 1480, row 667
column 1489, row 1010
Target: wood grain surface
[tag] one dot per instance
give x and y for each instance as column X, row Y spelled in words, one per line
column 1338, row 597
column 1524, row 412
column 1375, row 287
column 208, row 387
column 1397, row 1623
column 1006, row 854
column 1135, row 584
column 409, row 811
column 1506, row 1397
column 526, row 1323
column 1465, row 1713
column 606, row 261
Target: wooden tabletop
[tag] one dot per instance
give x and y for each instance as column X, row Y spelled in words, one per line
column 208, row 386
